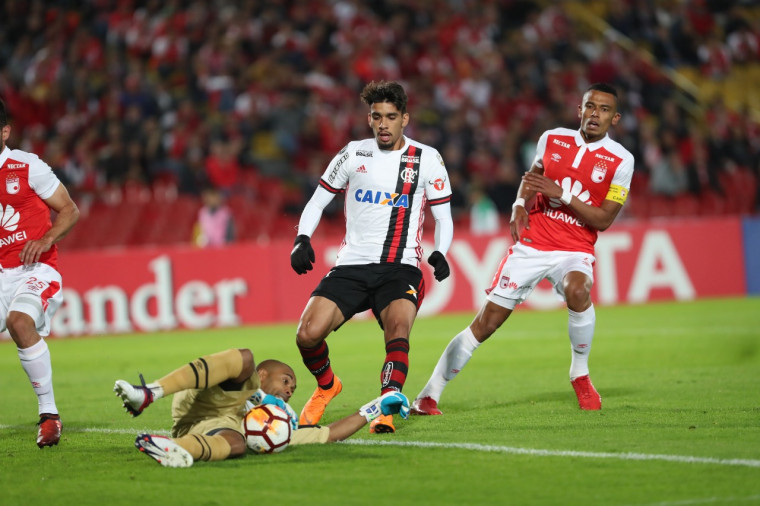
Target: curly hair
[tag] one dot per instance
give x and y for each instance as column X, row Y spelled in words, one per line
column 385, row 91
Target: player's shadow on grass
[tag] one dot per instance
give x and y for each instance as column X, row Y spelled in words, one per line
column 616, row 395
column 608, row 394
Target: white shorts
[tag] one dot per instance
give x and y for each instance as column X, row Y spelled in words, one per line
column 524, row 267
column 31, row 289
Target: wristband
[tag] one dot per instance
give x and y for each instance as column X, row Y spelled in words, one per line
column 519, row 201
column 566, row 197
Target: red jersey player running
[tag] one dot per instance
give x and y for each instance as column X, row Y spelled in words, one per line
column 30, row 285
column 580, row 180
column 388, row 180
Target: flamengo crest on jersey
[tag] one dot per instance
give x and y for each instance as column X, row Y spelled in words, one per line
column 23, row 213
column 587, row 171
column 386, row 195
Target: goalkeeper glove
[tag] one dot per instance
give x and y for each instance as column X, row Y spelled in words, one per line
column 389, row 403
column 302, row 256
column 441, row 266
column 261, row 397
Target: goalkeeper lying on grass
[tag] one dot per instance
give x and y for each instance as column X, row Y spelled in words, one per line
column 210, row 397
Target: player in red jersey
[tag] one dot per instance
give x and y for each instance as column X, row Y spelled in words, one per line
column 580, row 180
column 388, row 181
column 30, row 285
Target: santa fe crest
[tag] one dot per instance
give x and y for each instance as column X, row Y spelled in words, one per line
column 597, row 175
column 12, row 185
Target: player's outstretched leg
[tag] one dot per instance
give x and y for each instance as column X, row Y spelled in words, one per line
column 136, row 397
column 315, row 407
column 50, row 428
column 588, row 397
column 163, row 450
column 453, row 359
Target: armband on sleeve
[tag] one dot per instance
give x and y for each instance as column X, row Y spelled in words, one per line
column 617, row 194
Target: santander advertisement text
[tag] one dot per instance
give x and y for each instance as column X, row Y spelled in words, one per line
column 141, row 290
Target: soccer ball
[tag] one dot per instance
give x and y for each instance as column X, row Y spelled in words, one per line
column 266, row 429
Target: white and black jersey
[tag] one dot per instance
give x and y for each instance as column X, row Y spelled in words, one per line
column 385, row 197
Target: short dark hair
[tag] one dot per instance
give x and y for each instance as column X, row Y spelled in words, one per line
column 385, row 91
column 604, row 88
column 3, row 114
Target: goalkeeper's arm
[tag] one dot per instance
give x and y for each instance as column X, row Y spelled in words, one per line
column 389, row 403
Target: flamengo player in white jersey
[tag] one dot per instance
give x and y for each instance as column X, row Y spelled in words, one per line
column 30, row 285
column 580, row 180
column 388, row 180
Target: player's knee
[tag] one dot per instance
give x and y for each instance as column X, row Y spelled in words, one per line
column 308, row 336
column 21, row 327
column 394, row 329
column 578, row 298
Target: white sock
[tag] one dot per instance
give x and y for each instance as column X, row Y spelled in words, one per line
column 454, row 358
column 157, row 389
column 36, row 362
column 580, row 327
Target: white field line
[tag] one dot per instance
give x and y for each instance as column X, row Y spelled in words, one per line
column 511, row 450
column 560, row 453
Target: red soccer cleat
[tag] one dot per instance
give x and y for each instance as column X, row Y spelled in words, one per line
column 588, row 397
column 50, row 429
column 425, row 406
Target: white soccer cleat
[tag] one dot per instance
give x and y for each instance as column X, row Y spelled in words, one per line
column 136, row 397
column 163, row 450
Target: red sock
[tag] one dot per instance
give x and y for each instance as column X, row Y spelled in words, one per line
column 396, row 365
column 317, row 361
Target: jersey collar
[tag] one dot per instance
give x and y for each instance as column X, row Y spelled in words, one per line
column 4, row 155
column 593, row 146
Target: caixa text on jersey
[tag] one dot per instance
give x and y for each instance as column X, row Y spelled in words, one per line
column 382, row 198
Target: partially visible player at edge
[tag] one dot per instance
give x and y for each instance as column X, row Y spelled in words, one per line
column 580, row 180
column 388, row 180
column 213, row 393
column 30, row 285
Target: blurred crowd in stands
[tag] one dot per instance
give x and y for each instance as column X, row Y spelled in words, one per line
column 155, row 100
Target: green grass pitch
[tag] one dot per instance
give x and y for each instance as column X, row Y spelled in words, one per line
column 680, row 425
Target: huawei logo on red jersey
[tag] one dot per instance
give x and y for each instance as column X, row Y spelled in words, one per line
column 9, row 218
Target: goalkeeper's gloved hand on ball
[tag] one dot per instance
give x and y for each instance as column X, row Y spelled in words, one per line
column 261, row 397
column 302, row 256
column 389, row 403
column 440, row 265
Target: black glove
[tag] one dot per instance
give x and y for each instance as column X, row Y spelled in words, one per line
column 441, row 266
column 302, row 256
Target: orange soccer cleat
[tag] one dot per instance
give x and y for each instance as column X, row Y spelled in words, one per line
column 314, row 408
column 383, row 424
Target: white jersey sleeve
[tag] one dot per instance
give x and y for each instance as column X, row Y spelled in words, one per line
column 335, row 177
column 540, row 150
column 42, row 179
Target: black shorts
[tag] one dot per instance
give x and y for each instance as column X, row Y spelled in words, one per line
column 356, row 288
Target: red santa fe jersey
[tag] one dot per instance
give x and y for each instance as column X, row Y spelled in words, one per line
column 591, row 172
column 25, row 181
column 386, row 194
